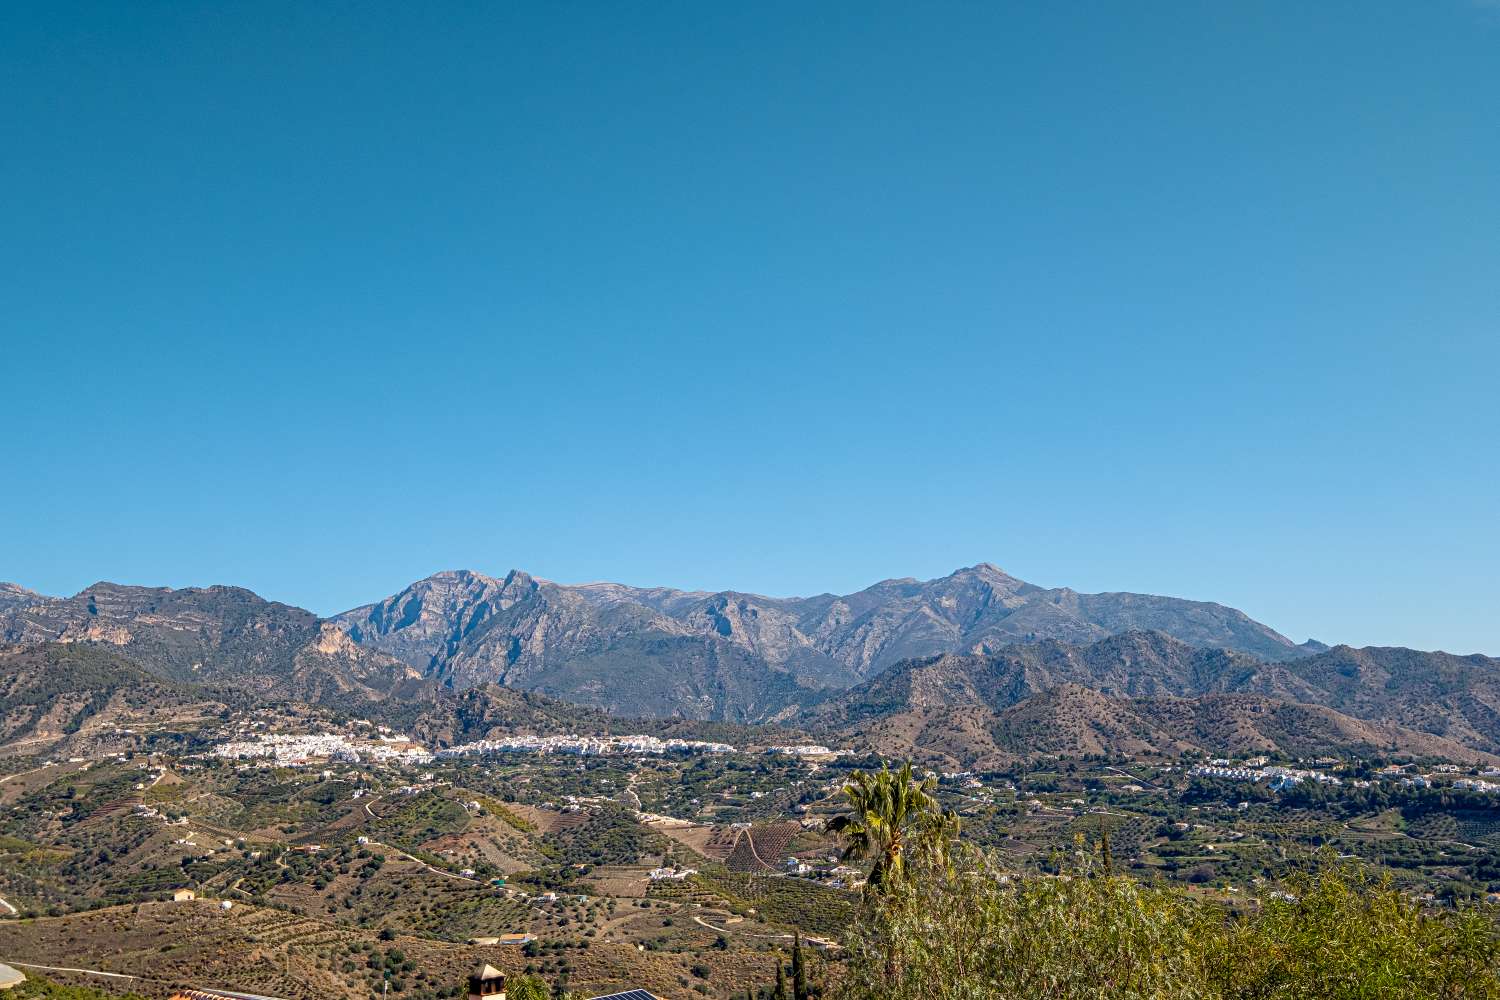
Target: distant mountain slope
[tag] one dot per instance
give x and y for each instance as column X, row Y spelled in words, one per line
column 469, row 629
column 1452, row 696
column 1072, row 720
column 189, row 634
column 1133, row 664
column 1145, row 689
column 458, row 654
column 211, row 635
column 734, row 655
column 51, row 691
column 977, row 637
column 970, row 609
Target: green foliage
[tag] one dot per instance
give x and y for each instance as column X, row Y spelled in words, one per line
column 527, row 988
column 414, row 819
column 794, row 902
column 1342, row 936
column 611, row 837
column 510, row 816
column 971, row 931
column 890, row 807
column 37, row 988
column 799, row 971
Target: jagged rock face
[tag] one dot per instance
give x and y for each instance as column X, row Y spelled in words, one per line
column 13, row 598
column 593, row 649
column 594, row 642
column 189, row 634
column 769, row 630
column 659, row 651
column 426, row 623
column 212, row 634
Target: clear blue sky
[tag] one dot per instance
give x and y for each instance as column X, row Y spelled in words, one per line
column 1185, row 298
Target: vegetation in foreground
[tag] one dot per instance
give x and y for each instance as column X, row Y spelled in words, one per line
column 948, row 923
column 39, row 988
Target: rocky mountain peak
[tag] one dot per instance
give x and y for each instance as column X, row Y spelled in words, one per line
column 13, row 597
column 729, row 654
column 986, row 571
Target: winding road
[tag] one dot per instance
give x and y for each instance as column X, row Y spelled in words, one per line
column 402, row 854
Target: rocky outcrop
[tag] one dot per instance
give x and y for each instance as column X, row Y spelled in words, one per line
column 212, row 635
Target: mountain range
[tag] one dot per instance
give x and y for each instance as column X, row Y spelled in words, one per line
column 745, row 656
column 975, row 665
column 1144, row 689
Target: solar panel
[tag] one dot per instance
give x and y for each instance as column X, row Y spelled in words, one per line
column 628, row 995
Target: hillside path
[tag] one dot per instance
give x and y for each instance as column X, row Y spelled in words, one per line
column 55, row 968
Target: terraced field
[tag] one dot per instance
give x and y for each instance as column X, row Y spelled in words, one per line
column 775, row 899
column 256, row 950
column 761, row 849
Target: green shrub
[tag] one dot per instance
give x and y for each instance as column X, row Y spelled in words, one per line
column 1342, row 936
column 972, row 931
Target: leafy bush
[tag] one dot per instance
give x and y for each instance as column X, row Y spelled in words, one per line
column 37, row 988
column 971, row 931
column 1342, row 936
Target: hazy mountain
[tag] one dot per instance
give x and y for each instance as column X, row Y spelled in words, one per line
column 1134, row 664
column 736, row 655
column 977, row 608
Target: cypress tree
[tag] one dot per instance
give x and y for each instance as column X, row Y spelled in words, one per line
column 780, row 992
column 799, row 970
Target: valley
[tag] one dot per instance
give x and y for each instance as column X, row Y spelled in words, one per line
column 203, row 788
column 333, row 855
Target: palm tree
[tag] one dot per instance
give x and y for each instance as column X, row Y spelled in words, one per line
column 889, row 809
